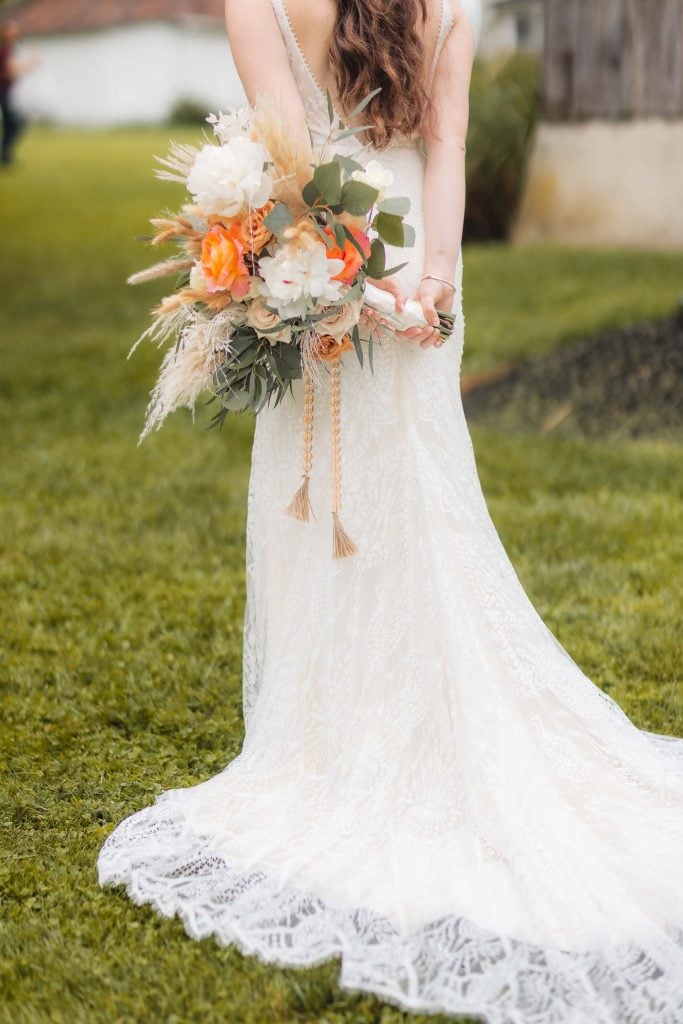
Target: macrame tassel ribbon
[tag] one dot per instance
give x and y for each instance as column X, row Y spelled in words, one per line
column 342, row 545
column 300, row 505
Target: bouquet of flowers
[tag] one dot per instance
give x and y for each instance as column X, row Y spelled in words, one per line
column 273, row 255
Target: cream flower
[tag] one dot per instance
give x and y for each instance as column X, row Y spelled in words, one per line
column 295, row 279
column 227, row 126
column 197, row 279
column 226, row 180
column 341, row 320
column 376, row 176
column 263, row 319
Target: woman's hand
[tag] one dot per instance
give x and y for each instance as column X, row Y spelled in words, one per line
column 432, row 296
column 390, row 284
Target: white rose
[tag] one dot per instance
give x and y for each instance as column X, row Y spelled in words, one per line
column 341, row 320
column 226, row 179
column 294, row 279
column 263, row 319
column 376, row 176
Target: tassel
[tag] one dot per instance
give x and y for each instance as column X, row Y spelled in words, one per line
column 300, row 505
column 342, row 545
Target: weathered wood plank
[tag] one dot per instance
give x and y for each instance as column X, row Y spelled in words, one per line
column 613, row 59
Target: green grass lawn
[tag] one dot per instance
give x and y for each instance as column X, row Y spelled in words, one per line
column 123, row 587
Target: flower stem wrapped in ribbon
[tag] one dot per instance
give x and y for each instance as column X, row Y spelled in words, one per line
column 273, row 255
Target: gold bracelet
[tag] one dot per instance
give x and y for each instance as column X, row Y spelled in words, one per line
column 430, row 277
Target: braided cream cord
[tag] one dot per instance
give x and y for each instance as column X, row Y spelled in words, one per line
column 342, row 545
column 300, row 505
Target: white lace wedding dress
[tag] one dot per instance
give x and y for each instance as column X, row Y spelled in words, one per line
column 429, row 787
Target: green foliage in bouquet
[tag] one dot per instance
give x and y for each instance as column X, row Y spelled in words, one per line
column 273, row 256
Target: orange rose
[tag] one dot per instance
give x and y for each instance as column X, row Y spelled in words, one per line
column 349, row 254
column 327, row 347
column 222, row 262
column 253, row 231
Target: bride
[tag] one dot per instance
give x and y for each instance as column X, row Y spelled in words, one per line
column 429, row 787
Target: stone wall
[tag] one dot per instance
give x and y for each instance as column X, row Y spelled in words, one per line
column 605, row 183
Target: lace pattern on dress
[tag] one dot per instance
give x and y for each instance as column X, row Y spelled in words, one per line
column 429, row 787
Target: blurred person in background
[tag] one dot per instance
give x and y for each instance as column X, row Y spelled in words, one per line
column 11, row 68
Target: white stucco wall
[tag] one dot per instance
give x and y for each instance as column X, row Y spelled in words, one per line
column 131, row 73
column 605, row 183
column 499, row 35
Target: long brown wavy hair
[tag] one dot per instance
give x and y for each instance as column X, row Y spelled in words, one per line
column 376, row 43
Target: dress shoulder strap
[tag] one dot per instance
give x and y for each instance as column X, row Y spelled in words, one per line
column 445, row 25
column 312, row 94
column 300, row 66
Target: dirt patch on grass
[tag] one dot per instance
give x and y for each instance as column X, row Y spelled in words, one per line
column 626, row 382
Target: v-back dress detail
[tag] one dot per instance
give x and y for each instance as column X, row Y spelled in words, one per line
column 429, row 787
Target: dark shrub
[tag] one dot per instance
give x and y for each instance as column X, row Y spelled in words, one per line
column 189, row 112
column 503, row 112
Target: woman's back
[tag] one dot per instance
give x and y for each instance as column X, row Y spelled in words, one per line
column 298, row 51
column 313, row 24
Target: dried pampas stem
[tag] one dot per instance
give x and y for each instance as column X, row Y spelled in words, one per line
column 173, row 266
column 290, row 153
column 178, row 161
column 342, row 545
column 186, row 371
column 300, row 505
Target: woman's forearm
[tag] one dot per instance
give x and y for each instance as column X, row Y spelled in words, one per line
column 444, row 184
column 444, row 207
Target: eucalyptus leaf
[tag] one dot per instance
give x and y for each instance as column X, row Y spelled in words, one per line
column 400, row 205
column 235, row 401
column 330, row 108
column 355, row 338
column 389, row 227
column 288, row 359
column 355, row 243
column 278, row 219
column 354, row 292
column 364, row 102
column 408, row 235
column 377, row 261
column 390, row 271
column 357, row 197
column 241, row 341
column 311, row 194
column 351, row 131
column 339, row 233
column 348, row 164
column 274, row 369
column 246, row 359
column 329, row 242
column 327, row 179
column 218, row 420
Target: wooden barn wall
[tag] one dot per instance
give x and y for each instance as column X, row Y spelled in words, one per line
column 613, row 59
